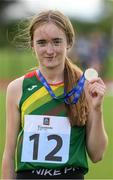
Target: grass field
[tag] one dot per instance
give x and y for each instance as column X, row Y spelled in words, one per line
column 14, row 63
column 101, row 170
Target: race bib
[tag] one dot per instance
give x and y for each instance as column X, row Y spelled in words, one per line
column 46, row 139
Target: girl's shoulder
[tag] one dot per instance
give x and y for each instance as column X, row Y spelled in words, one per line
column 15, row 84
column 14, row 90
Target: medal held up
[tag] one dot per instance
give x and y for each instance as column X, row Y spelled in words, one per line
column 88, row 75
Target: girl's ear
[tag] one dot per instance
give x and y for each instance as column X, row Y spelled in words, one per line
column 68, row 46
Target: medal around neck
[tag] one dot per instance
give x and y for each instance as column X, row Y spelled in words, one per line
column 90, row 74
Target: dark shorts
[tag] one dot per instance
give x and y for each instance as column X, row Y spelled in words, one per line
column 65, row 173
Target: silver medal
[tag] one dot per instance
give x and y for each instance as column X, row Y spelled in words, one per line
column 90, row 74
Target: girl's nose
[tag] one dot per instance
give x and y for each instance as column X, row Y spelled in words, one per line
column 50, row 48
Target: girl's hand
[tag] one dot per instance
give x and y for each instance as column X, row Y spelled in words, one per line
column 95, row 90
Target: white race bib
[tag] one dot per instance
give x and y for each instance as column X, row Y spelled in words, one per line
column 46, row 139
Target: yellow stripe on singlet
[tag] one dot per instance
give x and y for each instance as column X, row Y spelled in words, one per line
column 31, row 99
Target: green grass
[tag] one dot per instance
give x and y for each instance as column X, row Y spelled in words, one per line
column 101, row 170
column 108, row 73
column 14, row 63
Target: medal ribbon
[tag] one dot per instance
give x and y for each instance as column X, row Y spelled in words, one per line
column 76, row 91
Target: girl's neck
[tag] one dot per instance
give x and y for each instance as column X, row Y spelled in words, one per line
column 53, row 75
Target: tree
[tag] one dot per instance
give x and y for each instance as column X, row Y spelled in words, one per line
column 3, row 5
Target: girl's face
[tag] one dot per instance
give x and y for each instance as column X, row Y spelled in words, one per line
column 50, row 45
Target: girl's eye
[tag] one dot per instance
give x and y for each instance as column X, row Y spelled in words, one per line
column 57, row 42
column 41, row 43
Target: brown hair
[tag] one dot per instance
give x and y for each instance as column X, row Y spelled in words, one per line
column 77, row 112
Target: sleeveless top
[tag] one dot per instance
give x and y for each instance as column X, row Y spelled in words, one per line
column 43, row 140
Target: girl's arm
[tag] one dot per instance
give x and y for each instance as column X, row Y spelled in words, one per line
column 12, row 128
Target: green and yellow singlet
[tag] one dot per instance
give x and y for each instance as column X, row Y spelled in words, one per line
column 46, row 139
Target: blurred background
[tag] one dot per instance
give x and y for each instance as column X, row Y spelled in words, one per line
column 93, row 24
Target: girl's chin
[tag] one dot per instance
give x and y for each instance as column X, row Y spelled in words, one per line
column 50, row 65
